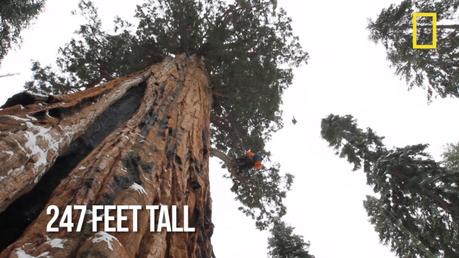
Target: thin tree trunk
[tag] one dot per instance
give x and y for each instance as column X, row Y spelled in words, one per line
column 141, row 139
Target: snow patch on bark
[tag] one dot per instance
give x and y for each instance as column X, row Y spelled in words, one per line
column 56, row 242
column 21, row 119
column 69, row 132
column 19, row 169
column 12, row 171
column 102, row 236
column 27, row 118
column 31, row 118
column 10, row 153
column 35, row 135
column 22, row 254
column 138, row 188
column 19, row 145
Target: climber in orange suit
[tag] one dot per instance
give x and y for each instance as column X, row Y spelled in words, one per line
column 249, row 161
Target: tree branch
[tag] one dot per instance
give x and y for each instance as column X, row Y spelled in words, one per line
column 8, row 74
column 218, row 122
column 229, row 162
column 219, row 94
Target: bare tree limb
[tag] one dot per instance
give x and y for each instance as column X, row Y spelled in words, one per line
column 8, row 74
column 229, row 162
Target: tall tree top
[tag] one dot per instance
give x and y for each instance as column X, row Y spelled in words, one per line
column 451, row 156
column 436, row 70
column 283, row 243
column 414, row 208
column 248, row 48
column 15, row 15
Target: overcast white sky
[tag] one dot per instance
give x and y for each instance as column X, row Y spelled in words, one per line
column 346, row 74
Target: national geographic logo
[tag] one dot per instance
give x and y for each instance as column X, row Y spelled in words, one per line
column 415, row 30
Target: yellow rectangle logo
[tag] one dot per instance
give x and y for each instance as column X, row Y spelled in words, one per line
column 434, row 30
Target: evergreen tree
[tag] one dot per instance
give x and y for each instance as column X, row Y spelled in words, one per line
column 283, row 243
column 248, row 48
column 451, row 156
column 15, row 15
column 415, row 208
column 437, row 69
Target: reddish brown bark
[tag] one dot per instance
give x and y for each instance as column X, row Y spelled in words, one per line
column 163, row 148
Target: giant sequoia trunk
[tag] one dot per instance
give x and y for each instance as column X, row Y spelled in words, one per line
column 141, row 139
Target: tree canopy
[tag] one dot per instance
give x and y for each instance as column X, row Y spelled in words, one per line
column 262, row 194
column 283, row 243
column 436, row 70
column 248, row 48
column 451, row 156
column 15, row 15
column 415, row 206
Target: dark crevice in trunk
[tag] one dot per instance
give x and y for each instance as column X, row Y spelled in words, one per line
column 15, row 219
column 60, row 112
column 26, row 98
